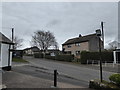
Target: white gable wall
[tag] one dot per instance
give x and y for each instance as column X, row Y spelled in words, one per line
column 5, row 55
column 0, row 54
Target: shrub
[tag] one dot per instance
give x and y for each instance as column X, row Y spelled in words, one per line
column 28, row 54
column 96, row 84
column 38, row 55
column 115, row 78
column 64, row 57
column 50, row 57
column 106, row 56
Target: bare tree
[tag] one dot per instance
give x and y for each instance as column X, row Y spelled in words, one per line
column 56, row 45
column 44, row 40
column 17, row 42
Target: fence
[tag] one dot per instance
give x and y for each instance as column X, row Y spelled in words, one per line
column 104, row 63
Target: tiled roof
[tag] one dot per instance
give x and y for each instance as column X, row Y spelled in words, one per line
column 4, row 39
column 79, row 39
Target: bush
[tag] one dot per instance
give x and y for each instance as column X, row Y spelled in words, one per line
column 64, row 57
column 50, row 57
column 106, row 56
column 115, row 78
column 96, row 84
column 38, row 55
column 28, row 54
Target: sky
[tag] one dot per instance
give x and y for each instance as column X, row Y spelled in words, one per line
column 64, row 19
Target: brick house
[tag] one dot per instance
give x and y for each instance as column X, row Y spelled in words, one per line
column 82, row 43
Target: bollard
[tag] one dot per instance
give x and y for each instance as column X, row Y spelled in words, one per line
column 55, row 78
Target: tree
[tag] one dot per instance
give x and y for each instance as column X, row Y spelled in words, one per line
column 44, row 40
column 17, row 42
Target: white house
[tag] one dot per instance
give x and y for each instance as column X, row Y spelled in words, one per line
column 5, row 52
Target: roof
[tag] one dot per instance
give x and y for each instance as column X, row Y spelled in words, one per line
column 53, row 50
column 34, row 48
column 79, row 39
column 4, row 39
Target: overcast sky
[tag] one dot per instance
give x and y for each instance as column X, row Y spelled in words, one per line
column 65, row 19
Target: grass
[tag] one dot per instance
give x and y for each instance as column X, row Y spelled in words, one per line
column 19, row 60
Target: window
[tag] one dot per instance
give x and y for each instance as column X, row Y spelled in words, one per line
column 77, row 44
column 69, row 46
column 77, row 52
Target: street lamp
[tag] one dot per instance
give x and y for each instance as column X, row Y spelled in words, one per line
column 98, row 33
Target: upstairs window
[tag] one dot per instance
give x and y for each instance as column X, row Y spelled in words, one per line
column 69, row 46
column 77, row 44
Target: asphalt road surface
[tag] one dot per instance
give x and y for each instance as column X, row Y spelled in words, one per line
column 79, row 73
column 43, row 73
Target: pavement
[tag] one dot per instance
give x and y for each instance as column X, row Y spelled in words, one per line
column 17, row 80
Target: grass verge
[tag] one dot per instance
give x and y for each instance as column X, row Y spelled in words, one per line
column 19, row 60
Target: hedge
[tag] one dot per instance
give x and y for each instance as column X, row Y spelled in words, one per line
column 106, row 56
column 65, row 57
column 38, row 55
column 50, row 57
column 62, row 57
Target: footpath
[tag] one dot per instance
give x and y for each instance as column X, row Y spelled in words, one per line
column 17, row 80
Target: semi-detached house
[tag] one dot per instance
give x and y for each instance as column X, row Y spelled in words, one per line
column 82, row 43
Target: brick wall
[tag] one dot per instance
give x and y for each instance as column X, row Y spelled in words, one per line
column 84, row 46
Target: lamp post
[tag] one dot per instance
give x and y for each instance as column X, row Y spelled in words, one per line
column 98, row 33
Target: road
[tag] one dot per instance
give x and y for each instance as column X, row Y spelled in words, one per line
column 80, row 73
column 42, row 73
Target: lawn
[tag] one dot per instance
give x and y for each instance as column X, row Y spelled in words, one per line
column 19, row 60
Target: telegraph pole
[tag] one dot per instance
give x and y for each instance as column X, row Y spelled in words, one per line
column 13, row 36
column 102, row 33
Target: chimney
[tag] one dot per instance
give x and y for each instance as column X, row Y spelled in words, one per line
column 80, row 35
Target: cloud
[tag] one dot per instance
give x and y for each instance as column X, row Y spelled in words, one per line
column 66, row 20
column 53, row 23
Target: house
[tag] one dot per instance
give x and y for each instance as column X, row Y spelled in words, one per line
column 5, row 52
column 31, row 50
column 53, row 52
column 82, row 43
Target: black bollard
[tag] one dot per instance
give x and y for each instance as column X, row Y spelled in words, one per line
column 55, row 78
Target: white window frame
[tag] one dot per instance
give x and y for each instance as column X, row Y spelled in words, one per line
column 77, row 44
